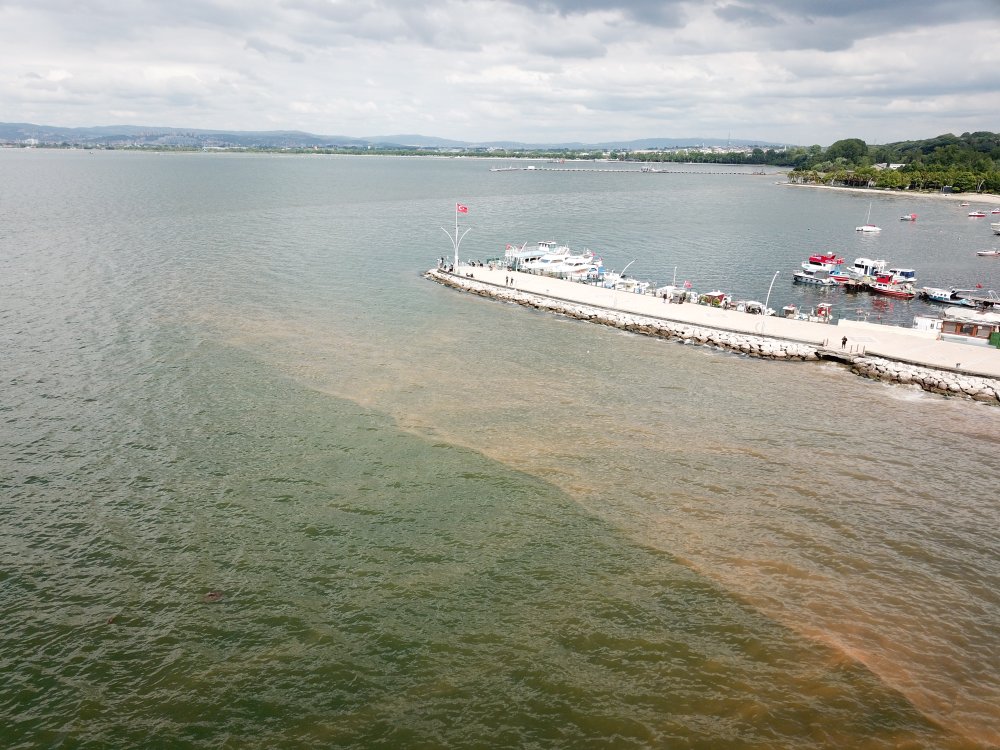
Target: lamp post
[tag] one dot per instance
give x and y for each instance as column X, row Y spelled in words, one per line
column 457, row 240
column 614, row 298
column 767, row 300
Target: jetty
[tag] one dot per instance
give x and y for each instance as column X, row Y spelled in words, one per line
column 888, row 353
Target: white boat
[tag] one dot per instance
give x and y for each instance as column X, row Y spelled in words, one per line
column 515, row 256
column 977, row 214
column 908, row 217
column 816, row 278
column 903, row 275
column 946, row 296
column 822, row 262
column 868, row 267
column 558, row 260
column 628, row 284
column 868, row 226
column 988, row 253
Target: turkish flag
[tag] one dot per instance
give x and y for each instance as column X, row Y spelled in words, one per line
column 461, row 209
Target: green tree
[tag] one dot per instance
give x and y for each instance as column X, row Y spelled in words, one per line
column 853, row 150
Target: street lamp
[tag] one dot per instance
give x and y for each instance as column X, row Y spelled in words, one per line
column 614, row 298
column 767, row 300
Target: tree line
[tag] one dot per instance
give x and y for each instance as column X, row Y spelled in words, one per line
column 966, row 163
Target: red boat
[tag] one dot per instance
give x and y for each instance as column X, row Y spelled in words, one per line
column 822, row 262
column 884, row 284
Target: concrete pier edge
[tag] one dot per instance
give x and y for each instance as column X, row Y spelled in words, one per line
column 939, row 380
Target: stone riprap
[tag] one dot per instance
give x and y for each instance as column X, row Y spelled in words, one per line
column 946, row 383
column 943, row 382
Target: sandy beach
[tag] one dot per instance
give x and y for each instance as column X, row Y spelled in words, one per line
column 990, row 199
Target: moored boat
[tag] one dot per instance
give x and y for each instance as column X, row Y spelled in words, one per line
column 908, row 217
column 869, row 267
column 988, row 253
column 903, row 274
column 822, row 262
column 868, row 226
column 946, row 296
column 977, row 214
column 885, row 285
column 816, row 278
column 558, row 260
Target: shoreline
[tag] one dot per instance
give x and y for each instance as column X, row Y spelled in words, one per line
column 991, row 198
column 902, row 356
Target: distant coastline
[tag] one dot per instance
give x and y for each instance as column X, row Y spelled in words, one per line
column 979, row 197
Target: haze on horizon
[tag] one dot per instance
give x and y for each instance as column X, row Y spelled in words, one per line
column 785, row 71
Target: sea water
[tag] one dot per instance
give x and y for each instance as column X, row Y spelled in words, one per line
column 265, row 486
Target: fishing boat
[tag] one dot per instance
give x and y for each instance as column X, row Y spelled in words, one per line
column 868, row 226
column 884, row 285
column 908, row 217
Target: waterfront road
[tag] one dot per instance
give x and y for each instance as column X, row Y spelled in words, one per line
column 891, row 342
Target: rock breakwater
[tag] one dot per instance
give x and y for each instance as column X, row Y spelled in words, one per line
column 944, row 382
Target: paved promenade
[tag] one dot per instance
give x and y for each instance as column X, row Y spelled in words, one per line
column 891, row 342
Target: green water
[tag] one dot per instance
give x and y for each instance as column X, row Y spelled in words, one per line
column 263, row 486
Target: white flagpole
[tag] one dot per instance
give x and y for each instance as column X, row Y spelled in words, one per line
column 456, row 240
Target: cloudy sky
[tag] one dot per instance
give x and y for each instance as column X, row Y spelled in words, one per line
column 788, row 71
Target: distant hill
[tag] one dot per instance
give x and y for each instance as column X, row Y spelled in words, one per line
column 153, row 136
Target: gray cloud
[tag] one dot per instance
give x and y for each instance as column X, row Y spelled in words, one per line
column 787, row 70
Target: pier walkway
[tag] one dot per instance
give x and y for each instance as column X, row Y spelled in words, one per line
column 895, row 343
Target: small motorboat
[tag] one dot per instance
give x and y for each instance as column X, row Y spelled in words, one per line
column 817, row 278
column 988, row 253
column 908, row 217
column 822, row 262
column 977, row 214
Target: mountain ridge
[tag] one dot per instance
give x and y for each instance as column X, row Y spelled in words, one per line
column 151, row 136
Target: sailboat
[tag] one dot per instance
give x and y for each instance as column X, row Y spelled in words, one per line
column 868, row 226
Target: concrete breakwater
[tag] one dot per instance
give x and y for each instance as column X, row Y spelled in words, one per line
column 944, row 382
